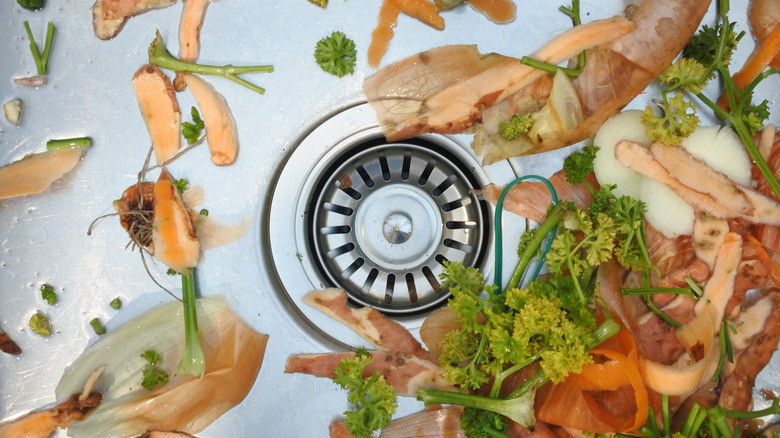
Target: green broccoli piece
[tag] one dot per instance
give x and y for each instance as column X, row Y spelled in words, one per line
column 373, row 398
column 336, row 54
column 516, row 127
column 152, row 376
column 31, row 4
column 40, row 324
column 48, row 294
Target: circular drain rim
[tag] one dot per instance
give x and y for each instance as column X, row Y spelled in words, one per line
column 287, row 244
column 413, row 179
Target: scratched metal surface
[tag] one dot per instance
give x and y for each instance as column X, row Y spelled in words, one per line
column 43, row 238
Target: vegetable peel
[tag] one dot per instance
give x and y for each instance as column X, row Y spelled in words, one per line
column 233, row 351
column 34, row 173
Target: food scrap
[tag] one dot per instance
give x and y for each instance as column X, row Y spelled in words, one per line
column 336, row 54
column 48, row 294
column 109, row 16
column 39, row 324
column 13, row 111
column 233, row 350
column 36, row 172
column 41, row 58
column 159, row 109
column 43, row 423
column 7, row 345
column 426, row 11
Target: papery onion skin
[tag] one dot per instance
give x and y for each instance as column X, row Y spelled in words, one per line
column 233, row 352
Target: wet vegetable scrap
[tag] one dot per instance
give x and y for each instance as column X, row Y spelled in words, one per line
column 233, row 350
column 499, row 11
column 36, row 172
column 7, row 345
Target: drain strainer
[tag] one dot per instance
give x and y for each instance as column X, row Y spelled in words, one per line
column 377, row 219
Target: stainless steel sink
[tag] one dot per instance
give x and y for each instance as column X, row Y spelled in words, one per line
column 296, row 140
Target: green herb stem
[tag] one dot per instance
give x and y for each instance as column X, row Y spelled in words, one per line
column 65, row 143
column 41, row 60
column 159, row 56
column 192, row 360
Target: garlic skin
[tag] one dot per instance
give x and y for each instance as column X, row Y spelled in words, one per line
column 13, row 110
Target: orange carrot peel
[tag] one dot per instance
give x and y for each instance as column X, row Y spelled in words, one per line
column 173, row 235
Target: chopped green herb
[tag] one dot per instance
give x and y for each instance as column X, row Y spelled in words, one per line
column 97, row 326
column 48, row 294
column 191, row 131
column 181, row 185
column 116, row 303
column 40, row 324
column 152, row 357
column 152, row 376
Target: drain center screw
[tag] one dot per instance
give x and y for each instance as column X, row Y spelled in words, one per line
column 397, row 228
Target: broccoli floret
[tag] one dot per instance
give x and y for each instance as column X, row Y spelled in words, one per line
column 336, row 54
column 373, row 398
column 516, row 127
column 31, row 4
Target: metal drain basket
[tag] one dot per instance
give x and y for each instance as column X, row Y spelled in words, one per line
column 377, row 219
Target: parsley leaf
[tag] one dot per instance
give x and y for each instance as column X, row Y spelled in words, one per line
column 336, row 54
column 191, row 131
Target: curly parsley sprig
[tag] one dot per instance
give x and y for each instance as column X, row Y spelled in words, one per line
column 373, row 398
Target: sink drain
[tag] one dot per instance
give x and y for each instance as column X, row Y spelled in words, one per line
column 385, row 216
column 377, row 219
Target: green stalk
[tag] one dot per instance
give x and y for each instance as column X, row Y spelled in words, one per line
column 518, row 409
column 65, row 143
column 192, row 360
column 47, row 47
column 159, row 56
column 574, row 14
column 550, row 223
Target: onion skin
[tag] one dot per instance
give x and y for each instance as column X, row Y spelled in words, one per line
column 440, row 322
